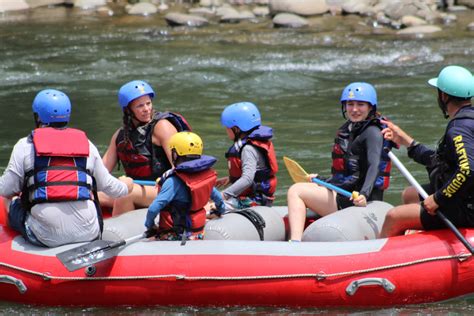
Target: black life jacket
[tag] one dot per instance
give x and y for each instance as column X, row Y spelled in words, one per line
column 346, row 166
column 140, row 158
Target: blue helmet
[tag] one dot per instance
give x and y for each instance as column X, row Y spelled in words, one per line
column 360, row 91
column 244, row 115
column 133, row 90
column 52, row 106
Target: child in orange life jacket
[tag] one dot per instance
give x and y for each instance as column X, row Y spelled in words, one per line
column 251, row 159
column 185, row 190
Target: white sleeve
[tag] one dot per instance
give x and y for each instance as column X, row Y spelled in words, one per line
column 105, row 181
column 11, row 182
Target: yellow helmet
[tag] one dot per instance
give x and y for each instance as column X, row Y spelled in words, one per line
column 186, row 143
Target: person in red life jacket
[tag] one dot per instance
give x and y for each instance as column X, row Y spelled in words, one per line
column 140, row 145
column 359, row 163
column 184, row 192
column 450, row 166
column 53, row 177
column 251, row 159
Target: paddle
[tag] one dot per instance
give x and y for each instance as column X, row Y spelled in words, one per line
column 298, row 174
column 424, row 195
column 93, row 252
column 145, row 182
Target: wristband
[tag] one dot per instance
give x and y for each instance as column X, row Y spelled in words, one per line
column 413, row 144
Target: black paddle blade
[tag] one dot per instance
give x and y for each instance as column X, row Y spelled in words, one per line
column 88, row 254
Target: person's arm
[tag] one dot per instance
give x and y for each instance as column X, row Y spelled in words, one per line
column 167, row 194
column 416, row 151
column 396, row 134
column 110, row 157
column 161, row 134
column 216, row 197
column 373, row 141
column 250, row 157
column 11, row 182
column 222, row 182
column 105, row 181
column 421, row 154
column 460, row 141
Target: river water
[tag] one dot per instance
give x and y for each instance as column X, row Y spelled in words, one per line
column 294, row 76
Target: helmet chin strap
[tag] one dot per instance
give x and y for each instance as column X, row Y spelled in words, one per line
column 372, row 113
column 443, row 105
column 38, row 123
column 237, row 133
column 343, row 111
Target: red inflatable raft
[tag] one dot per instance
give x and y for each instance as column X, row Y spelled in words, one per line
column 419, row 268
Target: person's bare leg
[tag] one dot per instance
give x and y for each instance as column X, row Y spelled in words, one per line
column 401, row 218
column 105, row 200
column 303, row 195
column 140, row 197
column 410, row 195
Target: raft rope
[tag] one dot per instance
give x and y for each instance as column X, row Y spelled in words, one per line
column 319, row 276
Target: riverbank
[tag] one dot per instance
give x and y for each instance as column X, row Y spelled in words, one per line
column 401, row 17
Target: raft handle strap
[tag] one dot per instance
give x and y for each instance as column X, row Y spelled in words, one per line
column 255, row 218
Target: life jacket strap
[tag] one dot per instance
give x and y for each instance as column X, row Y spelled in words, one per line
column 47, row 168
column 60, row 183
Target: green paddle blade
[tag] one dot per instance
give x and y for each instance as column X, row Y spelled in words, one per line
column 88, row 254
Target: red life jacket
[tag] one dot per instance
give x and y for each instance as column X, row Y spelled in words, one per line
column 59, row 172
column 140, row 158
column 192, row 218
column 265, row 181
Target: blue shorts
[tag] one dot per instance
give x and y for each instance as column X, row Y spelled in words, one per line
column 17, row 216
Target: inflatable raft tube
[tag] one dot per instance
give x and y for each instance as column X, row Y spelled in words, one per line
column 352, row 223
column 255, row 223
column 125, row 226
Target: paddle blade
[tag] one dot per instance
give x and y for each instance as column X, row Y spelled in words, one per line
column 297, row 173
column 88, row 254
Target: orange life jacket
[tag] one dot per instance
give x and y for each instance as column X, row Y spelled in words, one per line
column 179, row 217
column 265, row 181
column 59, row 172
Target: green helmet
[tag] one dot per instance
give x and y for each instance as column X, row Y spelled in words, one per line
column 456, row 81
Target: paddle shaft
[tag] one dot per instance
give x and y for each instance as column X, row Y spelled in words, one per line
column 126, row 241
column 424, row 195
column 145, row 182
column 332, row 187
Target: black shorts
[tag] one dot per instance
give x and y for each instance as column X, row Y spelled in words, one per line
column 458, row 212
column 343, row 201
